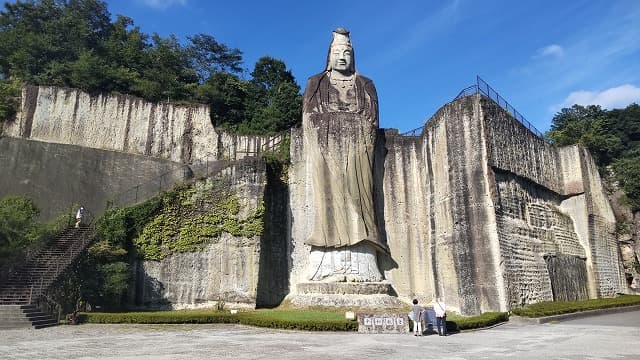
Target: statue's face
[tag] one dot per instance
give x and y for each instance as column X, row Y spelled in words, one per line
column 341, row 58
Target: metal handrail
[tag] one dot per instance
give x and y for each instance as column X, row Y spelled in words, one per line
column 481, row 87
column 486, row 90
column 414, row 132
column 63, row 261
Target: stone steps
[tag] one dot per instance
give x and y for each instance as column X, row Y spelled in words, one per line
column 24, row 316
column 26, row 283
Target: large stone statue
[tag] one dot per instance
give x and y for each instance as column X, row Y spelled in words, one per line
column 340, row 118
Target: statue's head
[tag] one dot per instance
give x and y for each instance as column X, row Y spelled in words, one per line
column 341, row 56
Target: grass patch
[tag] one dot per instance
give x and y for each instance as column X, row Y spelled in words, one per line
column 563, row 307
column 457, row 322
column 299, row 320
column 160, row 317
column 277, row 319
column 310, row 320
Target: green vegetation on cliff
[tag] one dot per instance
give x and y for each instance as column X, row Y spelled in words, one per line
column 185, row 219
column 191, row 217
column 549, row 308
column 9, row 98
column 76, row 44
column 20, row 228
column 612, row 137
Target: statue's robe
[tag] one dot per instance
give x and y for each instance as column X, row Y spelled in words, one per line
column 339, row 136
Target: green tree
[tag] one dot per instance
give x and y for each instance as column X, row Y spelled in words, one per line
column 125, row 52
column 588, row 126
column 167, row 74
column 9, row 98
column 274, row 101
column 612, row 137
column 18, row 226
column 39, row 40
column 627, row 173
column 210, row 57
column 625, row 124
column 227, row 95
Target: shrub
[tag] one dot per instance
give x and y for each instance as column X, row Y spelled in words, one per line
column 9, row 98
column 160, row 317
column 275, row 319
column 455, row 322
column 300, row 320
column 549, row 308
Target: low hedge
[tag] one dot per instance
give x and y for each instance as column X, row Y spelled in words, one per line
column 549, row 308
column 458, row 323
column 308, row 325
column 487, row 319
column 275, row 319
column 160, row 317
column 270, row 319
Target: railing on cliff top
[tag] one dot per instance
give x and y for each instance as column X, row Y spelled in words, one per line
column 481, row 87
column 183, row 173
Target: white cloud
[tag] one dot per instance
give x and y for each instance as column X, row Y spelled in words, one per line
column 163, row 4
column 552, row 50
column 612, row 98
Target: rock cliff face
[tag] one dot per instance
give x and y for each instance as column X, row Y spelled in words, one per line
column 480, row 211
column 476, row 209
column 68, row 147
column 227, row 270
column 59, row 176
column 126, row 124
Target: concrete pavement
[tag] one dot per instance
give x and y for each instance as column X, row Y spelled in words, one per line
column 613, row 336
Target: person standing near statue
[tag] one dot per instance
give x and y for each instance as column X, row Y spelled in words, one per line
column 79, row 216
column 417, row 311
column 340, row 121
column 441, row 316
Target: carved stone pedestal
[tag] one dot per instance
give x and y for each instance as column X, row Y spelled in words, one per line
column 376, row 295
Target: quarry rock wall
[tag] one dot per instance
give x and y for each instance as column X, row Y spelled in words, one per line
column 476, row 210
column 59, row 177
column 126, row 124
column 227, row 271
column 481, row 212
column 437, row 187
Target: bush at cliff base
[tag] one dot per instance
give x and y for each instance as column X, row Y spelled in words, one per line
column 292, row 320
column 456, row 322
column 276, row 319
column 563, row 307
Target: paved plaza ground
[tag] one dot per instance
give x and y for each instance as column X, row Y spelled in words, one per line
column 613, row 336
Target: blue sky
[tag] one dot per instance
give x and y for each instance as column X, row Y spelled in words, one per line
column 539, row 55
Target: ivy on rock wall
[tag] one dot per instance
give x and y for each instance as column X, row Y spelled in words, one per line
column 9, row 98
column 185, row 219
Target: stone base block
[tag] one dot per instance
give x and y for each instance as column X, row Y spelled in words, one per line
column 359, row 301
column 346, row 288
column 346, row 294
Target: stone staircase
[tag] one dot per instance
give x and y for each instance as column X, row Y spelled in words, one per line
column 24, row 316
column 23, row 293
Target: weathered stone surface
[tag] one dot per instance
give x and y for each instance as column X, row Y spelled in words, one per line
column 568, row 275
column 481, row 212
column 339, row 122
column 378, row 301
column 228, row 270
column 344, row 288
column 386, row 323
column 59, row 176
column 476, row 210
column 127, row 124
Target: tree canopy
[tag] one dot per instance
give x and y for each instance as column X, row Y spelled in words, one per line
column 74, row 43
column 612, row 137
